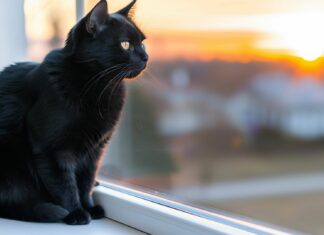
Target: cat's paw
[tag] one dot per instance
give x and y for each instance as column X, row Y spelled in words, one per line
column 78, row 217
column 96, row 212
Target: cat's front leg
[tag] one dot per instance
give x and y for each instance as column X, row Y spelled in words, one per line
column 86, row 174
column 57, row 172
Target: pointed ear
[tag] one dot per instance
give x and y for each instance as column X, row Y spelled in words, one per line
column 127, row 11
column 97, row 18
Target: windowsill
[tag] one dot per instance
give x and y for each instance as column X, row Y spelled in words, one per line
column 140, row 210
column 99, row 227
column 143, row 214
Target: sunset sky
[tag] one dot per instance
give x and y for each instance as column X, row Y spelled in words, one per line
column 208, row 29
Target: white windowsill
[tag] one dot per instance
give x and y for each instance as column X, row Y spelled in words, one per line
column 123, row 209
column 154, row 218
column 99, row 227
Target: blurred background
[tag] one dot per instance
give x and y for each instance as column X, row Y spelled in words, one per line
column 229, row 115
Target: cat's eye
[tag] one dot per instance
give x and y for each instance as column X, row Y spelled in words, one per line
column 126, row 45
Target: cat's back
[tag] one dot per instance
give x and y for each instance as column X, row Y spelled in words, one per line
column 16, row 71
column 14, row 100
column 16, row 82
column 14, row 78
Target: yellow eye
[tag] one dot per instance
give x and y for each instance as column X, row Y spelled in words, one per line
column 125, row 45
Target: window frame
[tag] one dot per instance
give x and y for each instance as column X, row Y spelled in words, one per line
column 159, row 216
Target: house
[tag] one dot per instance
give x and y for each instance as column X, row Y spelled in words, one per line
column 278, row 101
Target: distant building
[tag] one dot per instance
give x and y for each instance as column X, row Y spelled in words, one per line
column 188, row 109
column 295, row 107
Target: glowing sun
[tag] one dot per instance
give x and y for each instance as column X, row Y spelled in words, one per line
column 301, row 33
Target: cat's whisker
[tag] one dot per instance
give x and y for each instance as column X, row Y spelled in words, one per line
column 152, row 80
column 152, row 76
column 117, row 77
column 88, row 84
column 122, row 76
column 117, row 84
column 101, row 73
column 106, row 71
column 97, row 77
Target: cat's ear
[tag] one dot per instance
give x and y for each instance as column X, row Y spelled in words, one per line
column 128, row 10
column 97, row 18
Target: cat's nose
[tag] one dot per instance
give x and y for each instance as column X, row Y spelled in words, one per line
column 145, row 57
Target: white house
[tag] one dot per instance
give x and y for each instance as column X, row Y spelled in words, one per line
column 278, row 101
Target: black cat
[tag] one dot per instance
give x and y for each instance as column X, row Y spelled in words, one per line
column 57, row 117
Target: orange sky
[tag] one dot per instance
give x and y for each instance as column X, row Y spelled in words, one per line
column 207, row 29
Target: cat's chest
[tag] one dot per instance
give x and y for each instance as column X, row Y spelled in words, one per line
column 94, row 133
column 99, row 124
column 53, row 124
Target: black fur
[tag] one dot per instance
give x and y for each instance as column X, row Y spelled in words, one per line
column 57, row 117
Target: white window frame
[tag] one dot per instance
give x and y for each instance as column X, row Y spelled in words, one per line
column 141, row 211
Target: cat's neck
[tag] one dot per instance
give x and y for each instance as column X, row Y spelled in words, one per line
column 85, row 82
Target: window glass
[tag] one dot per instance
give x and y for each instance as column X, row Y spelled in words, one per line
column 47, row 25
column 229, row 114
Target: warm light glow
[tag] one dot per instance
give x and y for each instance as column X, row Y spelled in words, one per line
column 212, row 29
column 300, row 33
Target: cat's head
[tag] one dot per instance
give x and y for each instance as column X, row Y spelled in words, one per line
column 108, row 41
